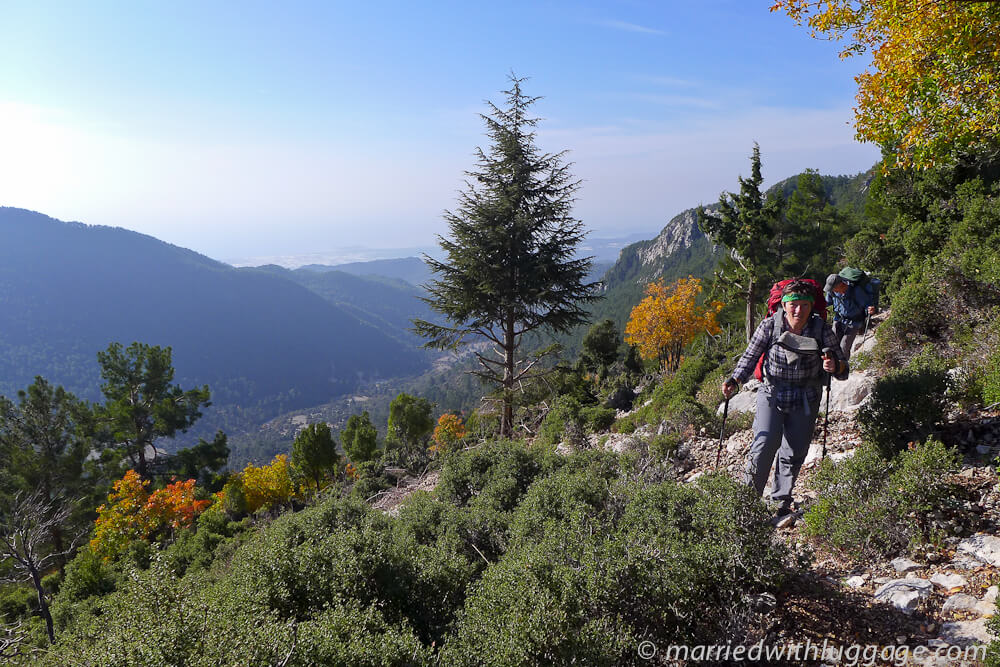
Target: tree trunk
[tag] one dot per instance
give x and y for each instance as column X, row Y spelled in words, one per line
column 507, row 421
column 43, row 606
column 751, row 288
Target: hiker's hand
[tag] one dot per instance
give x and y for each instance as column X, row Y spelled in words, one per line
column 829, row 364
column 729, row 388
column 871, row 310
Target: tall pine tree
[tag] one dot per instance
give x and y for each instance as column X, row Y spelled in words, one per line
column 511, row 266
column 745, row 224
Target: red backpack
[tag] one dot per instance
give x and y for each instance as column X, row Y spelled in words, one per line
column 774, row 302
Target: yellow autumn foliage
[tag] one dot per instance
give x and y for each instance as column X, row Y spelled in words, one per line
column 663, row 323
column 933, row 86
column 267, row 486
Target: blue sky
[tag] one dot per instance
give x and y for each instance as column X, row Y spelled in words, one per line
column 255, row 130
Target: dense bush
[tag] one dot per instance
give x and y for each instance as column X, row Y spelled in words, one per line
column 496, row 473
column 871, row 506
column 595, row 567
column 562, row 422
column 518, row 557
column 906, row 405
column 991, row 380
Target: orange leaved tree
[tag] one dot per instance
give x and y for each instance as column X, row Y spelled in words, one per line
column 668, row 319
column 133, row 513
column 449, row 431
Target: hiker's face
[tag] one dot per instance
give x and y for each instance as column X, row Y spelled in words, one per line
column 840, row 288
column 797, row 312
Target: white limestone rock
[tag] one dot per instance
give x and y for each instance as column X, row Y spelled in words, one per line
column 904, row 565
column 949, row 581
column 982, row 547
column 960, row 602
column 904, row 594
column 966, row 633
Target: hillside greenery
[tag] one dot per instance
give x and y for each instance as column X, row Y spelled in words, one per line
column 544, row 547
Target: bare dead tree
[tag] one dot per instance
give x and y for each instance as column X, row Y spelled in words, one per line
column 25, row 529
column 11, row 641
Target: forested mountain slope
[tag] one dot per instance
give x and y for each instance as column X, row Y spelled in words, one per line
column 382, row 301
column 67, row 290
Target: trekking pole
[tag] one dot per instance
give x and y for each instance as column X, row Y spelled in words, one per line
column 722, row 432
column 864, row 336
column 827, row 354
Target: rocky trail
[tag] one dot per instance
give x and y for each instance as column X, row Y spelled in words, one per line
column 939, row 598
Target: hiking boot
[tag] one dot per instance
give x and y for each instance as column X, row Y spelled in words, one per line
column 783, row 517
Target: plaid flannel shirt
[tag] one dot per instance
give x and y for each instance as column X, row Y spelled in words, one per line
column 789, row 378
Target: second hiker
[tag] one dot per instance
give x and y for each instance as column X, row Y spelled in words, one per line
column 854, row 296
column 793, row 340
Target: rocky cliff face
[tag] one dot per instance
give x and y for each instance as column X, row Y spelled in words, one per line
column 679, row 250
column 680, row 233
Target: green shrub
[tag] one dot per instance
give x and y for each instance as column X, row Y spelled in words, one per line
column 906, row 405
column 371, row 479
column 871, row 506
column 918, row 316
column 665, row 445
column 87, row 579
column 563, row 421
column 17, row 601
column 674, row 400
column 991, row 379
column 496, row 473
column 599, row 562
column 160, row 619
column 597, row 417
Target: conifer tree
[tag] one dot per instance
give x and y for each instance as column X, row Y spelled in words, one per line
column 314, row 452
column 40, row 450
column 359, row 438
column 410, row 422
column 511, row 267
column 745, row 225
column 142, row 402
column 600, row 346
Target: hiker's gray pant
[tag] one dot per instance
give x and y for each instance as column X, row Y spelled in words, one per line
column 846, row 335
column 786, row 433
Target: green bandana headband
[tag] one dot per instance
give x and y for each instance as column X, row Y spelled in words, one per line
column 794, row 296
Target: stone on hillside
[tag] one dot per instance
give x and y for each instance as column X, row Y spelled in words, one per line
column 904, row 594
column 849, row 395
column 854, row 582
column 837, row 457
column 949, row 581
column 966, row 633
column 965, row 562
column 983, row 547
column 904, row 565
column 745, row 401
column 991, row 594
column 960, row 602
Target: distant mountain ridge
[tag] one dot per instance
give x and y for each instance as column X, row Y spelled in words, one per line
column 411, row 269
column 261, row 341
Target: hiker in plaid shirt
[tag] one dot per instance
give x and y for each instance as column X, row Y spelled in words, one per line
column 788, row 402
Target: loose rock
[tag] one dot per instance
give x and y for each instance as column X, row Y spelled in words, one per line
column 905, row 594
column 949, row 582
column 983, row 547
column 904, row 565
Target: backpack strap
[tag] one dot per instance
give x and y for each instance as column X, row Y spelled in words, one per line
column 819, row 380
column 776, row 322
